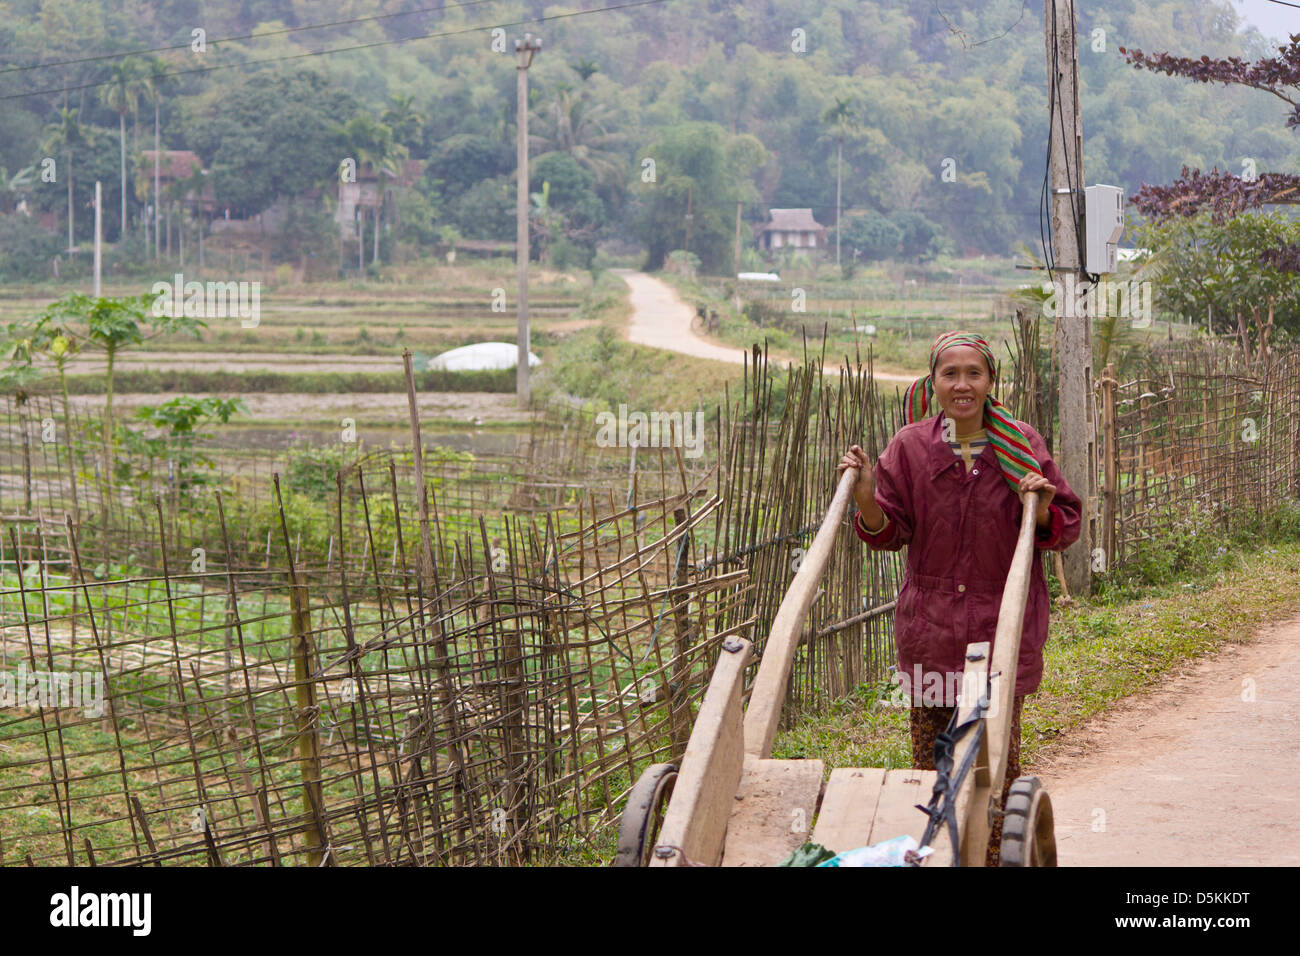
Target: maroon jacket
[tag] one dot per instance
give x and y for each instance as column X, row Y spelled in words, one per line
column 961, row 527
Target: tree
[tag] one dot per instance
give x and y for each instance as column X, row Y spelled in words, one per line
column 584, row 68
column 690, row 172
column 25, row 248
column 67, row 135
column 1224, row 194
column 918, row 234
column 842, row 116
column 577, row 125
column 269, row 135
column 465, row 159
column 1221, row 273
column 122, row 94
column 874, row 236
column 372, row 145
column 110, row 325
column 401, row 117
column 157, row 82
column 573, row 212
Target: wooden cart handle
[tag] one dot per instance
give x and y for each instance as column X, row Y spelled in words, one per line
column 768, row 694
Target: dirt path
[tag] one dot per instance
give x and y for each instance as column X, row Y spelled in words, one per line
column 662, row 320
column 1189, row 774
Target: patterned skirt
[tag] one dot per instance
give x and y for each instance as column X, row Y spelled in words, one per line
column 929, row 722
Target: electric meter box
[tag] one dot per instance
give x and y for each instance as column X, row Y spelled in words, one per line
column 1104, row 217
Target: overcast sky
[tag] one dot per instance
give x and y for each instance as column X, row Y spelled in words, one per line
column 1271, row 19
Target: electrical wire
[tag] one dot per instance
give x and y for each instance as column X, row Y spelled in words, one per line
column 244, row 36
column 360, row 46
column 1055, row 93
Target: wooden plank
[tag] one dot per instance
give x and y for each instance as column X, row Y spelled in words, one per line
column 695, row 824
column 848, row 808
column 896, row 812
column 984, row 782
column 1006, row 642
column 768, row 694
column 773, row 810
column 977, row 781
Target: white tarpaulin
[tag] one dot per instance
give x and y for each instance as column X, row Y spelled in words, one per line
column 480, row 356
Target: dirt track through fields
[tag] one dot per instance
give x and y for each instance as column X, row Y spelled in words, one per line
column 1189, row 774
column 662, row 320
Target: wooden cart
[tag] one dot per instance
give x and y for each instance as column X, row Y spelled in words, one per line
column 730, row 804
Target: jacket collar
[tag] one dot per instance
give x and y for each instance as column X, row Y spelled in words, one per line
column 941, row 456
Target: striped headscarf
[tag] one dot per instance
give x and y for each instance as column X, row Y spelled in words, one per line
column 1015, row 457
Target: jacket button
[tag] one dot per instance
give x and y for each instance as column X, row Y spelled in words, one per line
column 975, row 471
column 961, row 587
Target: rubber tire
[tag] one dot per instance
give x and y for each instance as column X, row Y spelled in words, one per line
column 1028, row 829
column 638, row 825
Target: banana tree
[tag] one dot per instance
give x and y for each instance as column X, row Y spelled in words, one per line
column 549, row 223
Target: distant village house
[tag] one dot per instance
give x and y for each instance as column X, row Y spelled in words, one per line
column 791, row 227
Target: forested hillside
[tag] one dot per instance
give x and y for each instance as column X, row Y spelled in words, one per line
column 938, row 111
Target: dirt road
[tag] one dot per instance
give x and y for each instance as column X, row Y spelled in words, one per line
column 662, row 320
column 1190, row 774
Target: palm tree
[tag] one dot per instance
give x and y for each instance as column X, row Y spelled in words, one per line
column 584, row 68
column 388, row 165
column 157, row 81
column 407, row 125
column 844, row 118
column 122, row 94
column 372, row 144
column 575, row 125
column 67, row 135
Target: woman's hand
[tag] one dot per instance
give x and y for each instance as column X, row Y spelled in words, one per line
column 1046, row 491
column 864, row 489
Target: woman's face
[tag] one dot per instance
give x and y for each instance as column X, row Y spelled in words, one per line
column 961, row 383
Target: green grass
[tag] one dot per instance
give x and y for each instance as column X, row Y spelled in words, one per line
column 597, row 364
column 163, row 381
column 1137, row 629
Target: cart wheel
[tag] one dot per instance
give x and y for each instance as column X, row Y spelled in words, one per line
column 644, row 814
column 1028, row 833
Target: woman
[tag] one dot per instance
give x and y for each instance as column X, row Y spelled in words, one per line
column 950, row 487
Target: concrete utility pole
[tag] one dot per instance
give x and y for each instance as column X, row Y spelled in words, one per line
column 1076, row 454
column 736, row 270
column 689, row 192
column 99, row 223
column 524, row 50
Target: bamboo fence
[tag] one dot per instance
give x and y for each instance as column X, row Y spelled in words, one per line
column 395, row 658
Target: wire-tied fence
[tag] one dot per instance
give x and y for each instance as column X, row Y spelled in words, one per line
column 1195, row 436
column 383, row 658
column 390, row 659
